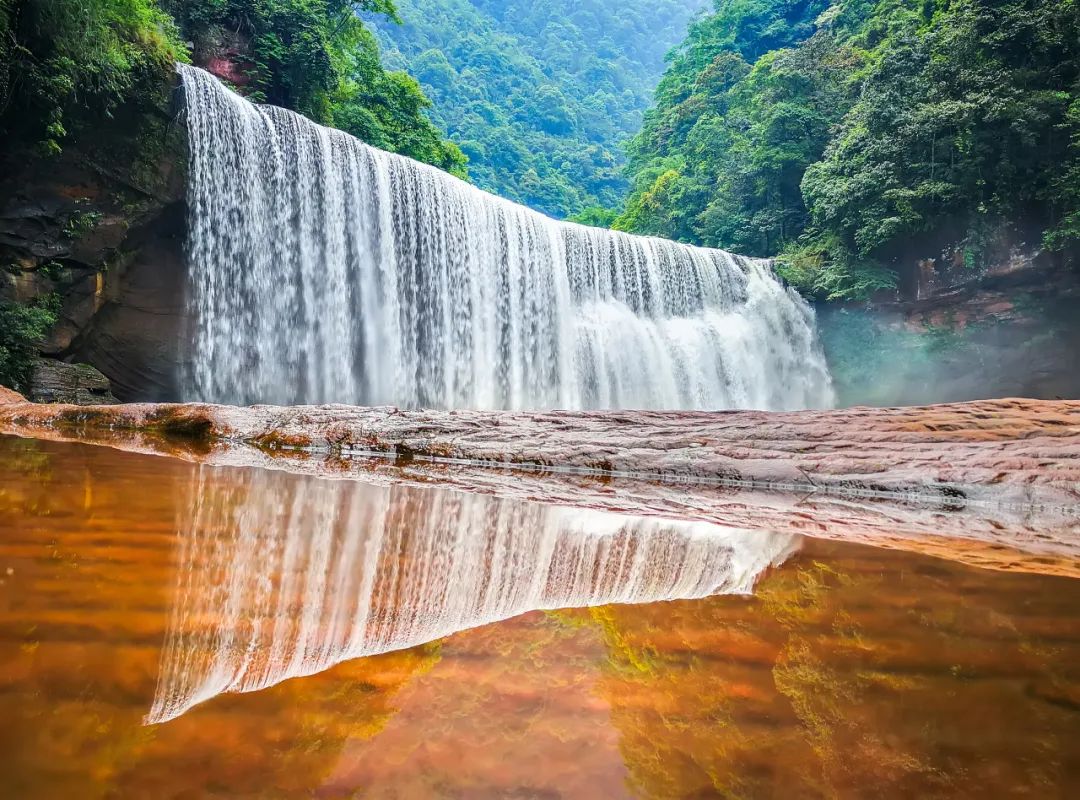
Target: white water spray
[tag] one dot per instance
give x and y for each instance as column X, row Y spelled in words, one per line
column 282, row 576
column 325, row 270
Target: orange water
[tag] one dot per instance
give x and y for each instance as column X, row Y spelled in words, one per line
column 851, row 672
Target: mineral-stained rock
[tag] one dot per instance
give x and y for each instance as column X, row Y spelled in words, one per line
column 54, row 381
column 997, row 451
column 877, row 476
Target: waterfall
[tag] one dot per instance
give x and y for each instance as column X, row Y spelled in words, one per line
column 325, row 270
column 281, row 575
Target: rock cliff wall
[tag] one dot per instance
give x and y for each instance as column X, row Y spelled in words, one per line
column 98, row 232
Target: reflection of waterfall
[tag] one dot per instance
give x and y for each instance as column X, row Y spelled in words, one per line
column 324, row 270
column 283, row 575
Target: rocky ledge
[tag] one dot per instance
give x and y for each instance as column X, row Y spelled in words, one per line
column 994, row 484
column 1018, row 452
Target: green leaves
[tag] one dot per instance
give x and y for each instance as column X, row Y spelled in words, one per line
column 744, row 135
column 890, row 130
column 541, row 93
column 317, row 57
column 65, row 58
column 21, row 330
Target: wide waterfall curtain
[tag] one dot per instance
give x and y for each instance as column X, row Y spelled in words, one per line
column 325, row 270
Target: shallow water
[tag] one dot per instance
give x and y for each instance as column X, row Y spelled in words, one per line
column 174, row 630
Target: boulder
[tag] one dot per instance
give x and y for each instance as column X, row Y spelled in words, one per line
column 54, row 381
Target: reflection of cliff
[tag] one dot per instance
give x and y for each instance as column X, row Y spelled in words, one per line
column 833, row 679
column 510, row 712
column 282, row 742
column 283, row 575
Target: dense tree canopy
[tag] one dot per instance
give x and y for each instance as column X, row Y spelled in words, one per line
column 539, row 93
column 63, row 60
column 59, row 58
column 844, row 136
column 318, row 58
column 848, row 135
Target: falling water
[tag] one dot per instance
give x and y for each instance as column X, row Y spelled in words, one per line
column 324, row 270
column 282, row 575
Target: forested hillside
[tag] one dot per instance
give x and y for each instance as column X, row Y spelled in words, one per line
column 540, row 95
column 850, row 137
column 66, row 63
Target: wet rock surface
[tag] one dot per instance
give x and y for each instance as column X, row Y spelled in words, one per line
column 994, row 484
column 1002, row 451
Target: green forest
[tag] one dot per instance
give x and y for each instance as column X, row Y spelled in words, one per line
column 67, row 63
column 848, row 137
column 540, row 95
column 844, row 137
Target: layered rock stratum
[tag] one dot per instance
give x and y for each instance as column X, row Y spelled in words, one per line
column 992, row 483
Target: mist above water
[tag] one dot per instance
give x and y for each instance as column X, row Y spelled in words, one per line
column 325, row 270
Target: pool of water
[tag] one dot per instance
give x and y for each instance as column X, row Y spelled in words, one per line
column 177, row 630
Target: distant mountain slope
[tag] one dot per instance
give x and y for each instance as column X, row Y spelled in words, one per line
column 540, row 95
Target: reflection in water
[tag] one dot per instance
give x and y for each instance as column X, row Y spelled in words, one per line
column 281, row 577
column 850, row 672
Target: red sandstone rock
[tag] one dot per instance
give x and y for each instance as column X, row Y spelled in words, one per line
column 10, row 396
column 998, row 451
column 994, row 484
column 1021, row 539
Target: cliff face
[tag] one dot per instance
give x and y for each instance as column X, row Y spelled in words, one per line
column 957, row 332
column 99, row 230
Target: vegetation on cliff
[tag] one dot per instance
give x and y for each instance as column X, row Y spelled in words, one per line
column 90, row 154
column 540, row 94
column 318, row 58
column 22, row 327
column 66, row 62
column 850, row 136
